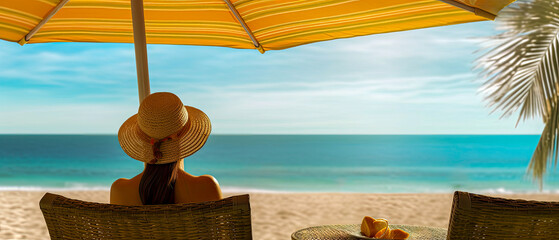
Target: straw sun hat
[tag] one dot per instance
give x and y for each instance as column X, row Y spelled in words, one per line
column 164, row 130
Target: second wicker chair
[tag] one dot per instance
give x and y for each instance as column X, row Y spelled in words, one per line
column 481, row 217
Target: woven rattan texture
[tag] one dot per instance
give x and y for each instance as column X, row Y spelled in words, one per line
column 353, row 231
column 481, row 217
column 228, row 218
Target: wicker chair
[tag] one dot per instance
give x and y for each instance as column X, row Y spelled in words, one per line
column 480, row 217
column 66, row 218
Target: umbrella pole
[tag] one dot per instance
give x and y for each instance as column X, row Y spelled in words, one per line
column 139, row 27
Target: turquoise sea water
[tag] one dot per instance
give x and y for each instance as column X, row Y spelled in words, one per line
column 290, row 163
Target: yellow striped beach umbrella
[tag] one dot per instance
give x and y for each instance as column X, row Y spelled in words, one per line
column 250, row 24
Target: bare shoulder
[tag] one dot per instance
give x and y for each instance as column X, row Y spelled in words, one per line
column 125, row 192
column 119, row 184
column 117, row 190
column 209, row 187
column 207, row 180
column 204, row 188
column 202, row 180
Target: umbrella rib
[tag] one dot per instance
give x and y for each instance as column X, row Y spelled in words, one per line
column 476, row 11
column 42, row 22
column 243, row 24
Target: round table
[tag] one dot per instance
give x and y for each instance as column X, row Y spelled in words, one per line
column 353, row 231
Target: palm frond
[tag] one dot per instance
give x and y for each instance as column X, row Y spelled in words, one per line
column 546, row 151
column 519, row 65
column 522, row 72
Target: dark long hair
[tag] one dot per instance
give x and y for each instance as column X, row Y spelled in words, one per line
column 157, row 185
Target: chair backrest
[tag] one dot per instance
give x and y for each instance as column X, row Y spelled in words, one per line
column 476, row 216
column 66, row 218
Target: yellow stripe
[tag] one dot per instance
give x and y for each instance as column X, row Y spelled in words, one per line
column 368, row 11
column 248, row 7
column 160, row 30
column 124, row 25
column 149, row 35
column 147, row 6
column 309, row 5
column 354, row 27
column 50, row 2
column 14, row 14
column 340, row 18
column 14, row 28
column 178, row 23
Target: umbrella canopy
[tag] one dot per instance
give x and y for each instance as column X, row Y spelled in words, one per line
column 270, row 25
column 252, row 24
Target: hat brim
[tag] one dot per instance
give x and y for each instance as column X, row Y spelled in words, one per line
column 137, row 145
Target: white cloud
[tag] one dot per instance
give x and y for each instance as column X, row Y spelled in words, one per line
column 416, row 82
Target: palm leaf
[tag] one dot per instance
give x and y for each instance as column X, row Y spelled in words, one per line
column 546, row 151
column 522, row 73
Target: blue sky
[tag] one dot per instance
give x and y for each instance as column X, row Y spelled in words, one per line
column 414, row 82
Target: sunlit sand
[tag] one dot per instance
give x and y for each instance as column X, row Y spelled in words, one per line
column 274, row 215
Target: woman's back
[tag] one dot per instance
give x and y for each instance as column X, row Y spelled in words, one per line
column 188, row 189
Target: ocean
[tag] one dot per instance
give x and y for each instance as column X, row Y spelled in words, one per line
column 290, row 163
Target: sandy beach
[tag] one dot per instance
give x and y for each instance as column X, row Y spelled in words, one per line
column 274, row 215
